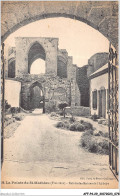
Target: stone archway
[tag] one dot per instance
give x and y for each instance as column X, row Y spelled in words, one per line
column 36, row 51
column 102, row 15
column 36, row 98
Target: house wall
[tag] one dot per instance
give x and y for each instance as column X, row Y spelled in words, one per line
column 97, row 83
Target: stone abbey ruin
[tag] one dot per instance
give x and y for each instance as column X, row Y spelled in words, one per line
column 58, row 84
column 62, row 81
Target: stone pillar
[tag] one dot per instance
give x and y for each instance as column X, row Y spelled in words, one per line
column 51, row 48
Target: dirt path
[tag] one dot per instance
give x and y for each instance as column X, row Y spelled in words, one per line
column 38, row 150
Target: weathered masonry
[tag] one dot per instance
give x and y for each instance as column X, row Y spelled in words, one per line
column 101, row 15
column 57, row 84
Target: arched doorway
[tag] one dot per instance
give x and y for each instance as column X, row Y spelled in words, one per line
column 36, row 99
column 36, row 59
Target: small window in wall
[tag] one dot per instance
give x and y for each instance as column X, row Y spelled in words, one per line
column 94, row 99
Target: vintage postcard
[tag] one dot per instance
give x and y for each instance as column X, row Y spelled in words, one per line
column 59, row 95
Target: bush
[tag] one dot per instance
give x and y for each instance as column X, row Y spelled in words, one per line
column 62, row 106
column 106, row 134
column 7, row 106
column 67, row 124
column 54, row 114
column 76, row 126
column 94, row 144
column 15, row 110
column 72, row 119
column 19, row 117
column 101, row 133
column 80, row 127
column 87, row 125
column 60, row 124
column 73, row 127
column 97, row 133
column 81, row 121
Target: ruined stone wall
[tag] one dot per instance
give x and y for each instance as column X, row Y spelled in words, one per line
column 23, row 45
column 54, row 89
column 62, row 59
column 59, row 81
column 70, row 68
column 78, row 110
column 75, row 94
column 83, row 84
column 96, row 62
column 101, row 15
column 10, row 56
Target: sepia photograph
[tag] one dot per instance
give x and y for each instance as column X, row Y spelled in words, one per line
column 59, row 97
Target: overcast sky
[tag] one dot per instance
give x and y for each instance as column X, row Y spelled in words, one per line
column 79, row 39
